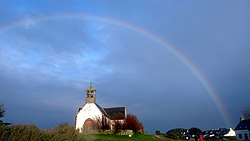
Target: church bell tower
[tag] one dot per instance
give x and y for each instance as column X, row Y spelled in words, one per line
column 90, row 95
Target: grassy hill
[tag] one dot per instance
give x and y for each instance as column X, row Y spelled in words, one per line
column 66, row 133
column 135, row 137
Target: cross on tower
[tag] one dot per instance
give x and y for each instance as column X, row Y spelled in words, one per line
column 90, row 94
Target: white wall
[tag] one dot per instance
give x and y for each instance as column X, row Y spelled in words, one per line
column 242, row 132
column 89, row 110
column 231, row 133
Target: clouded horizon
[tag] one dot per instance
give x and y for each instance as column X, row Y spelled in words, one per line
column 157, row 58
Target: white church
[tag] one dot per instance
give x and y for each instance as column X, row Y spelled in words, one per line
column 90, row 111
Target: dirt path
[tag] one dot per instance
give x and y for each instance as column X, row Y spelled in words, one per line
column 157, row 136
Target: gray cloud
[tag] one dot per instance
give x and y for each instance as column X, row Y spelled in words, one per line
column 45, row 65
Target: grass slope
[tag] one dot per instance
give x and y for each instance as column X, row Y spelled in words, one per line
column 65, row 132
column 135, row 137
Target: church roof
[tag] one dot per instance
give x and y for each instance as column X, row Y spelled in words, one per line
column 115, row 112
column 102, row 110
column 243, row 125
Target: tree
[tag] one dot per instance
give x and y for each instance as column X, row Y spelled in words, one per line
column 245, row 113
column 118, row 121
column 176, row 133
column 2, row 112
column 101, row 123
column 132, row 123
column 195, row 131
column 105, row 123
column 158, row 132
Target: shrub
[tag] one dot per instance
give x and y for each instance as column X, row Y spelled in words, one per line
column 22, row 133
column 64, row 132
column 31, row 133
column 195, row 131
column 4, row 132
column 132, row 123
column 157, row 132
column 176, row 133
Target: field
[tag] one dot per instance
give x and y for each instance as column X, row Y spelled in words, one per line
column 135, row 137
column 66, row 133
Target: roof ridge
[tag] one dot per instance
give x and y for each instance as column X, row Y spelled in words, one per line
column 101, row 109
column 115, row 107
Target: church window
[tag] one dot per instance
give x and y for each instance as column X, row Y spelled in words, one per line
column 246, row 137
column 240, row 136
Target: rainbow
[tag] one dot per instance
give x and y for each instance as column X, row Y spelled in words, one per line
column 163, row 43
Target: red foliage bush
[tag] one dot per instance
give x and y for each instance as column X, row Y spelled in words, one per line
column 132, row 123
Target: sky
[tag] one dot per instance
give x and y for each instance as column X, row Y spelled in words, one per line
column 172, row 63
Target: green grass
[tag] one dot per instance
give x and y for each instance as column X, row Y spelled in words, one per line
column 135, row 137
column 65, row 132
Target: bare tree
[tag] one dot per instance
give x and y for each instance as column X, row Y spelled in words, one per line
column 101, row 123
column 245, row 113
column 105, row 123
column 118, row 121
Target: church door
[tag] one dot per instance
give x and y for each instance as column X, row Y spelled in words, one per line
column 88, row 124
